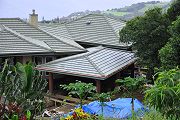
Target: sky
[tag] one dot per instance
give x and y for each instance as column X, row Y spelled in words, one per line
column 57, row 8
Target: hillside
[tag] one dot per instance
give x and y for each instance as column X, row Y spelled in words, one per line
column 129, row 12
column 125, row 13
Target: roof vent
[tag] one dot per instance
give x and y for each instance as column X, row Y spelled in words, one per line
column 88, row 22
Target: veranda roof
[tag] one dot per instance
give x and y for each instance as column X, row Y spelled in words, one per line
column 99, row 63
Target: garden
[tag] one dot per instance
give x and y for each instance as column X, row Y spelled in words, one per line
column 23, row 90
column 155, row 37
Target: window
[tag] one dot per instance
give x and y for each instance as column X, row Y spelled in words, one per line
column 38, row 60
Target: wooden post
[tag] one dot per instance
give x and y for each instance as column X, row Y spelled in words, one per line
column 51, row 86
column 132, row 70
column 98, row 86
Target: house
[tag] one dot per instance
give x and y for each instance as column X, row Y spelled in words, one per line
column 25, row 42
column 100, row 65
column 86, row 49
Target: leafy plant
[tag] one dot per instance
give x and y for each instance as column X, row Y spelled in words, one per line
column 130, row 85
column 80, row 90
column 102, row 97
column 174, row 10
column 152, row 114
column 23, row 86
column 164, row 95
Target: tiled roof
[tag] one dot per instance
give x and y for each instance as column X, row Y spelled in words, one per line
column 59, row 30
column 15, row 43
column 56, row 44
column 116, row 24
column 90, row 29
column 98, row 63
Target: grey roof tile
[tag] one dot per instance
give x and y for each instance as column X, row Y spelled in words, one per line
column 100, row 30
column 116, row 24
column 12, row 43
column 59, row 30
column 98, row 63
column 56, row 44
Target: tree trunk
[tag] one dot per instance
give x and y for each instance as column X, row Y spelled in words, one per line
column 132, row 102
column 81, row 103
column 102, row 109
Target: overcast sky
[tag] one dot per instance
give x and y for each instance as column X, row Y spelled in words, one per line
column 53, row 8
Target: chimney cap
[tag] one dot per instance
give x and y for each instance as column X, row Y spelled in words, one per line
column 33, row 11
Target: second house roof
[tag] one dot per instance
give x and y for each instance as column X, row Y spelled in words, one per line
column 56, row 44
column 91, row 29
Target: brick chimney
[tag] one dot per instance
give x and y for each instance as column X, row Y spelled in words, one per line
column 33, row 19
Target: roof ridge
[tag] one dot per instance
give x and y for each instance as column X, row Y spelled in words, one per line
column 68, row 32
column 83, row 17
column 29, row 39
column 66, row 58
column 120, row 50
column 115, row 18
column 95, row 66
column 10, row 18
column 113, row 30
column 59, row 38
column 48, row 33
column 73, row 56
column 111, row 27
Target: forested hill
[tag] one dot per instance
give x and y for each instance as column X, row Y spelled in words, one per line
column 129, row 12
column 125, row 13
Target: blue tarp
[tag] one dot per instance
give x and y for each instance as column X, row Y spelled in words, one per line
column 119, row 108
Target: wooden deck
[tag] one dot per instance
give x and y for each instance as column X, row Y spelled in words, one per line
column 56, row 98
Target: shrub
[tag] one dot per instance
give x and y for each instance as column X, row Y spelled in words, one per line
column 22, row 87
column 80, row 90
column 164, row 95
column 130, row 85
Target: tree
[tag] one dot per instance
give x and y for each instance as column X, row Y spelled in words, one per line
column 170, row 53
column 102, row 97
column 80, row 90
column 131, row 85
column 174, row 10
column 164, row 95
column 148, row 34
